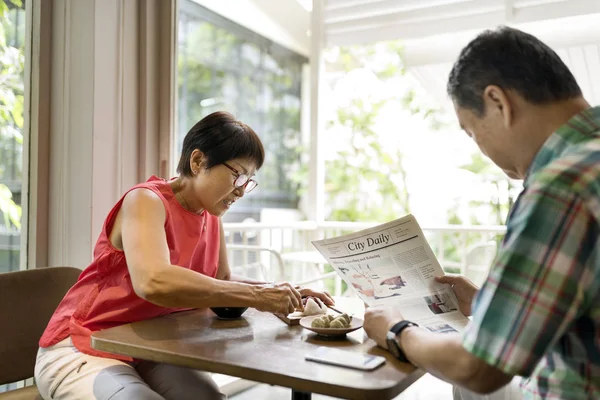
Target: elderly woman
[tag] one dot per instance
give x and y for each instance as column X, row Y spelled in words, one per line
column 161, row 250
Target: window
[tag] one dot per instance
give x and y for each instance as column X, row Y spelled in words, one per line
column 223, row 66
column 12, row 77
column 12, row 39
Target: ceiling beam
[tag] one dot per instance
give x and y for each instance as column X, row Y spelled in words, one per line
column 364, row 9
column 509, row 10
column 558, row 34
column 418, row 12
column 390, row 29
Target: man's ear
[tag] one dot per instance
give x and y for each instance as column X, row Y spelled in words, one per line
column 496, row 100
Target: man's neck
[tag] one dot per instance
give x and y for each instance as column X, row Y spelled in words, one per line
column 542, row 123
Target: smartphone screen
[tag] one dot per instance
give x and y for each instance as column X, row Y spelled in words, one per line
column 345, row 358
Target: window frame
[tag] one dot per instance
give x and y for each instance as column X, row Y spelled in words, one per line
column 189, row 9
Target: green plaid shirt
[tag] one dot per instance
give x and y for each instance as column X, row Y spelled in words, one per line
column 538, row 313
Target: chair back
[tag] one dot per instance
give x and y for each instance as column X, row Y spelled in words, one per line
column 27, row 301
column 479, row 260
column 256, row 262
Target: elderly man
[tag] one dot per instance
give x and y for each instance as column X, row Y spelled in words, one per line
column 537, row 315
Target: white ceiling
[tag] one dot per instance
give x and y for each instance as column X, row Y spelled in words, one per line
column 575, row 39
column 583, row 61
column 367, row 21
column 434, row 32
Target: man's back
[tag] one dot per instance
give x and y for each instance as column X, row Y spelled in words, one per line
column 548, row 271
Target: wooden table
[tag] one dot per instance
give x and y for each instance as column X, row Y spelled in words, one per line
column 258, row 347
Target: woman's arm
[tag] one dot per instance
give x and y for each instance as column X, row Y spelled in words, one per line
column 157, row 281
column 224, row 273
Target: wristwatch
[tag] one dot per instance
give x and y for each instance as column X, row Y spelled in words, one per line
column 392, row 343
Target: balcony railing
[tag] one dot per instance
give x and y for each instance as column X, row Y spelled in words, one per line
column 284, row 251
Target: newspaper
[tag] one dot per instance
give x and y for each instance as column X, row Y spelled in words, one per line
column 392, row 264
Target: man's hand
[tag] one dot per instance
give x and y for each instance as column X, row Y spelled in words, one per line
column 464, row 290
column 378, row 322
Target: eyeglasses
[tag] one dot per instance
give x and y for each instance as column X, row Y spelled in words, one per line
column 242, row 180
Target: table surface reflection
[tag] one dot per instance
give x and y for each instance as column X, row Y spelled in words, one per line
column 259, row 347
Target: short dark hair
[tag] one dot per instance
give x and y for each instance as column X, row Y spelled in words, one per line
column 220, row 137
column 510, row 59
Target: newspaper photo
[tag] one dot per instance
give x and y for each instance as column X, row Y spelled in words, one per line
column 393, row 264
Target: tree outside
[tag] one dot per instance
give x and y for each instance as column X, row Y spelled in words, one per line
column 370, row 96
column 12, row 60
column 366, row 178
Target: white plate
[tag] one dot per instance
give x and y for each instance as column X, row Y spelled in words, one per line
column 355, row 324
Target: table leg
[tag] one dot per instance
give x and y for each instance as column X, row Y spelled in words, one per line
column 296, row 395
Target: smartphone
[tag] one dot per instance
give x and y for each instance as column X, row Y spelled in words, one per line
column 345, row 358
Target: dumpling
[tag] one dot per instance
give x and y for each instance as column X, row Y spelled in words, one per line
column 346, row 317
column 325, row 321
column 341, row 320
column 318, row 323
column 337, row 324
column 313, row 307
column 330, row 317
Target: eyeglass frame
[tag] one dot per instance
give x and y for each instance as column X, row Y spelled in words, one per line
column 238, row 175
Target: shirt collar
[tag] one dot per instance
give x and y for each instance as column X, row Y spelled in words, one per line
column 578, row 129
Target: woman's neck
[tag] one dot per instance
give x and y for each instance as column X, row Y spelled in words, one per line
column 184, row 194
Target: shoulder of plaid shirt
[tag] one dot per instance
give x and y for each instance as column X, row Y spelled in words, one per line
column 538, row 313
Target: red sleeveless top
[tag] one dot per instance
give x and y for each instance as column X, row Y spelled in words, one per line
column 103, row 296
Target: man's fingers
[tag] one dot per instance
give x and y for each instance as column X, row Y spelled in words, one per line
column 447, row 279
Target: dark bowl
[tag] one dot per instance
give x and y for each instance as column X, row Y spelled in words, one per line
column 229, row 312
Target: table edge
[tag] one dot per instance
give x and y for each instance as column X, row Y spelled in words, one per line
column 300, row 384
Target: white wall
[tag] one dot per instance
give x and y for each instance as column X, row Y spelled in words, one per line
column 71, row 142
column 110, row 109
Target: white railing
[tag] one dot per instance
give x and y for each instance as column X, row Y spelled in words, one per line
column 461, row 249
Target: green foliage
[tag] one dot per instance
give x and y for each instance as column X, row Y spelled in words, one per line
column 11, row 211
column 365, row 181
column 12, row 62
column 483, row 211
column 504, row 191
column 219, row 70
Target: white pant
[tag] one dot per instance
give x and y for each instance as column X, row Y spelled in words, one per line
column 63, row 372
column 512, row 391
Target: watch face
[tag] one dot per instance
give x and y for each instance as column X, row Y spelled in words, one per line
column 393, row 349
column 392, row 345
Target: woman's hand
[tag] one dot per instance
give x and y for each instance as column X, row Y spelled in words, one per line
column 325, row 297
column 281, row 298
column 463, row 288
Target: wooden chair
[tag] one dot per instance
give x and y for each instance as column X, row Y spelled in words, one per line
column 27, row 301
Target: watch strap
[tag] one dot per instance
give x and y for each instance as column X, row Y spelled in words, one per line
column 400, row 326
column 396, row 330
